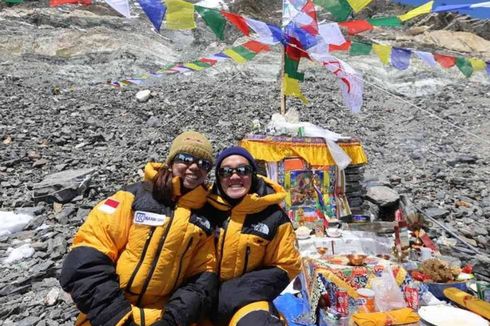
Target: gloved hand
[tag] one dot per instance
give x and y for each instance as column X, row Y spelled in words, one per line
column 167, row 320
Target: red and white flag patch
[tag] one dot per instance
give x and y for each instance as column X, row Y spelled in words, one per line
column 109, row 206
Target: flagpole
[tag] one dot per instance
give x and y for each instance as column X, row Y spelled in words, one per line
column 283, row 97
column 283, row 59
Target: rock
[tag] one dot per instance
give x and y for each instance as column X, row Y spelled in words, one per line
column 39, row 163
column 436, row 212
column 143, row 96
column 382, row 195
column 52, row 296
column 62, row 186
column 153, row 122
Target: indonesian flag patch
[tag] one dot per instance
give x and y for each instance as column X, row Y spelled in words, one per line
column 109, row 206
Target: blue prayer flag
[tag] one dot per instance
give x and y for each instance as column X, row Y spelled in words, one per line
column 155, row 10
column 400, row 58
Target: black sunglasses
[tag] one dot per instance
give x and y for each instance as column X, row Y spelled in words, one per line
column 189, row 159
column 226, row 172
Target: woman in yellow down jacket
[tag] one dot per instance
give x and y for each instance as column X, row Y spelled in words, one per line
column 145, row 256
column 256, row 246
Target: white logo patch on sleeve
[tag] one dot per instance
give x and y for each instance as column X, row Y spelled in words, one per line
column 147, row 218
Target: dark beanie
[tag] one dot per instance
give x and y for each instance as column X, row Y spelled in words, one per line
column 235, row 150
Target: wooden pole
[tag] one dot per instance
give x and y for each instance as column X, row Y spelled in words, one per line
column 283, row 97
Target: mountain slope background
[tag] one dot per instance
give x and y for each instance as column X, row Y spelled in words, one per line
column 426, row 131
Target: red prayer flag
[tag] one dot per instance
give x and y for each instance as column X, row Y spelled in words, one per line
column 342, row 47
column 54, row 3
column 238, row 21
column 208, row 61
column 309, row 9
column 294, row 51
column 356, row 26
column 445, row 60
column 256, row 46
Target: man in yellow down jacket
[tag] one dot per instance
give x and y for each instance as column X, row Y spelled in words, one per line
column 256, row 246
column 144, row 256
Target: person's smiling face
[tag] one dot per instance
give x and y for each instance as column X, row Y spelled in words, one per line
column 235, row 176
column 190, row 172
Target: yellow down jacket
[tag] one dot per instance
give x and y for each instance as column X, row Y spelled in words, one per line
column 137, row 258
column 256, row 248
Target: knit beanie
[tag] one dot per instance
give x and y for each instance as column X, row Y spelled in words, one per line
column 236, row 150
column 191, row 142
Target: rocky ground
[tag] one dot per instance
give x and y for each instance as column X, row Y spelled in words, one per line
column 426, row 131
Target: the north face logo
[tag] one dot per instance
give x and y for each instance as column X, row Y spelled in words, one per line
column 262, row 228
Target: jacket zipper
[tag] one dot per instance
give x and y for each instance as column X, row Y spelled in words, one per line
column 225, row 226
column 247, row 253
column 155, row 260
column 142, row 258
column 180, row 263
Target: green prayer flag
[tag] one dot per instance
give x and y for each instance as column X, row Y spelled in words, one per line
column 340, row 9
column 358, row 48
column 291, row 68
column 213, row 19
column 464, row 66
column 393, row 21
column 244, row 52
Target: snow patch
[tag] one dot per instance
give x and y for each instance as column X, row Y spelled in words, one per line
column 11, row 222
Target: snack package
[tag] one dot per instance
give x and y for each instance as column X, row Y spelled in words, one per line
column 387, row 294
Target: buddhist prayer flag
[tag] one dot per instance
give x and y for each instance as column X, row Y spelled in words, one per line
column 350, row 83
column 358, row 5
column 477, row 64
column 213, row 19
column 340, row 9
column 356, row 26
column 239, row 54
column 400, row 58
column 121, row 6
column 342, row 47
column 154, row 10
column 54, row 3
column 256, row 46
column 262, row 30
column 238, row 21
column 464, row 66
column 291, row 68
column 383, row 52
column 427, row 58
column 385, row 21
column 358, row 48
column 291, row 88
column 197, row 65
column 331, row 33
column 180, row 15
column 423, row 9
column 445, row 61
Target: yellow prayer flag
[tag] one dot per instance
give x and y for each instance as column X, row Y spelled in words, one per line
column 383, row 52
column 193, row 66
column 357, row 5
column 423, row 9
column 291, row 88
column 180, row 15
column 477, row 64
column 235, row 56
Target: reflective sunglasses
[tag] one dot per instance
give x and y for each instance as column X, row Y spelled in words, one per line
column 226, row 172
column 189, row 159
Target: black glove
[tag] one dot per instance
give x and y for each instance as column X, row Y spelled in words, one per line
column 167, row 320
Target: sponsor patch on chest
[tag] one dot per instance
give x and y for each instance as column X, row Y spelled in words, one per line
column 147, row 218
column 109, row 206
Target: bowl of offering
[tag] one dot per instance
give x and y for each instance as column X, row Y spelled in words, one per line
column 356, row 259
